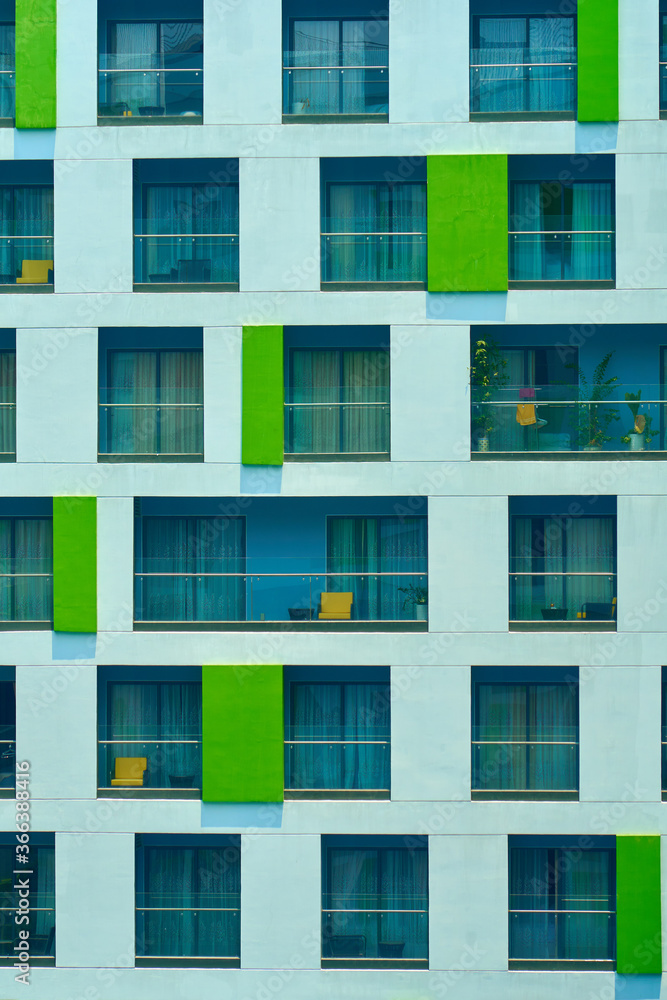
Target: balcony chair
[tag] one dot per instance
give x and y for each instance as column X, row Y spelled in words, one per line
column 129, row 772
column 190, row 271
column 36, row 272
column 335, row 606
column 598, row 612
column 346, row 946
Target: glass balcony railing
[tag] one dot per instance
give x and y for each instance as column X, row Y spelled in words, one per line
column 337, row 420
column 26, row 260
column 202, row 927
column 7, row 761
column 580, row 933
column 550, row 598
column 334, row 758
column 562, row 256
column 546, row 760
column 187, row 258
column 513, row 82
column 209, row 596
column 7, row 431
column 355, row 258
column 312, row 87
column 663, row 78
column 7, row 93
column 173, row 427
column 550, row 418
column 173, row 763
column 26, row 596
column 372, row 932
column 153, row 85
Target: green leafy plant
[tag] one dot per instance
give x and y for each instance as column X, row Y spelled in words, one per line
column 642, row 421
column 414, row 595
column 593, row 419
column 488, row 373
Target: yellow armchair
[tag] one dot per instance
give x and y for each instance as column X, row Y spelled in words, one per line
column 129, row 772
column 335, row 606
column 35, row 272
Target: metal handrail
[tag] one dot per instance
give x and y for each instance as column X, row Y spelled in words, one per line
column 16, row 236
column 260, row 576
column 384, row 233
column 608, row 912
column 323, row 742
column 331, row 403
column 562, row 232
column 560, row 572
column 526, row 743
column 505, row 65
column 143, row 405
column 181, row 235
column 147, row 739
column 141, row 69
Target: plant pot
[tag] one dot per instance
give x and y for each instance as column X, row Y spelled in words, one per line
column 421, row 612
column 592, row 447
column 482, row 443
column 637, row 441
column 298, row 107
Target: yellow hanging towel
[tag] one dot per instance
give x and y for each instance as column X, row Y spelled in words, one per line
column 525, row 414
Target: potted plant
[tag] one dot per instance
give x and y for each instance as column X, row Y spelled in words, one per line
column 416, row 597
column 593, row 419
column 300, row 107
column 640, row 435
column 488, row 373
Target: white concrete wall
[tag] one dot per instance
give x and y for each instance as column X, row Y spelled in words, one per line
column 115, row 565
column 279, row 229
column 56, row 395
column 93, row 226
column 77, row 77
column 641, row 219
column 430, row 733
column 243, row 64
column 429, row 62
column 56, row 729
column 468, row 564
column 222, row 394
column 619, row 719
column 430, row 403
column 642, row 563
column 95, row 899
column 638, row 54
column 281, row 902
column 468, row 912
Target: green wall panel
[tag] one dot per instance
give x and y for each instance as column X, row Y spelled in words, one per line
column 242, row 733
column 638, row 919
column 467, row 223
column 597, row 60
column 35, row 63
column 263, row 433
column 75, row 564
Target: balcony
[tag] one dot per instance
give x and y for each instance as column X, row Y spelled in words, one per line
column 518, row 85
column 554, row 601
column 577, row 257
column 8, row 758
column 320, row 426
column 173, row 766
column 333, row 764
column 525, row 768
column 26, row 594
column 188, row 929
column 26, row 263
column 39, row 871
column 171, row 430
column 321, row 92
column 149, row 89
column 363, row 936
column 546, row 939
column 362, row 260
column 541, row 420
column 172, row 260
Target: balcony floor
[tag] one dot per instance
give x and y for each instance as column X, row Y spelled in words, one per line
column 568, row 456
column 313, row 626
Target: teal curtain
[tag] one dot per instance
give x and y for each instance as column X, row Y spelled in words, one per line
column 340, row 402
column 568, row 901
column 190, row 903
column 155, row 403
column 26, row 560
column 186, row 554
column 527, row 257
column 7, row 64
column 592, row 224
column 7, row 402
column 380, row 897
column 340, row 736
column 163, row 723
column 377, row 559
column 525, row 737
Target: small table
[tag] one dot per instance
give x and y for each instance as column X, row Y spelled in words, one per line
column 181, row 781
column 554, row 614
column 301, row 614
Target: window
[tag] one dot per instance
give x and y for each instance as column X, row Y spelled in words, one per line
column 525, row 740
column 7, row 405
column 151, row 69
column 150, row 737
column 337, row 403
column 337, row 739
column 562, row 232
column 664, row 734
column 7, row 61
column 336, row 67
column 26, row 571
column 40, row 873
column 152, row 405
column 375, row 902
column 663, row 59
column 523, row 67
column 373, row 230
column 562, row 905
column 7, row 733
column 190, row 569
column 186, row 224
column 26, row 226
column 188, row 901
column 383, row 562
column 562, row 568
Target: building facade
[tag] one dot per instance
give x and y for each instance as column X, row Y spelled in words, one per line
column 333, row 577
